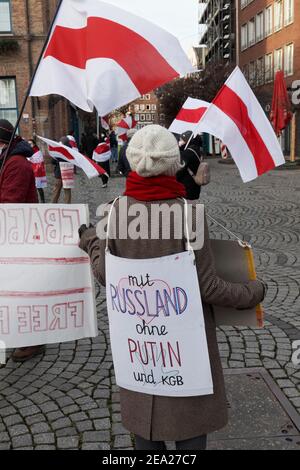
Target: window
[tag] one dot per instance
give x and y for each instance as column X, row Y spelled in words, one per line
column 142, row 107
column 142, row 117
column 148, row 117
column 153, row 107
column 148, row 97
column 244, row 37
column 260, row 75
column 148, row 107
column 251, row 32
column 153, row 117
column 136, row 107
column 252, row 73
column 278, row 15
column 8, row 100
column 268, row 68
column 277, row 60
column 259, row 26
column 268, row 20
column 137, row 117
column 288, row 11
column 244, row 3
column 5, row 16
column 289, row 60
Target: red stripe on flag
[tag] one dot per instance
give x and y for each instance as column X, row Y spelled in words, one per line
column 98, row 168
column 191, row 115
column 232, row 105
column 103, row 38
column 102, row 148
column 61, row 150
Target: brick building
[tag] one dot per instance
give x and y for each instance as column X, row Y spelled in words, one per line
column 269, row 40
column 23, row 28
column 147, row 111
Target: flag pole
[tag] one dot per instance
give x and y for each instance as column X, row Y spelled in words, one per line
column 30, row 86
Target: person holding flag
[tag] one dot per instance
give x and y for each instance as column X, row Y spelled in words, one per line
column 102, row 155
column 39, row 169
column 58, row 176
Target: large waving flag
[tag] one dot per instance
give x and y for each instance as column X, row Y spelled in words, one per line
column 100, row 55
column 189, row 116
column 70, row 155
column 237, row 119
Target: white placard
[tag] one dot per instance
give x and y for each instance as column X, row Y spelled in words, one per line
column 46, row 283
column 157, row 326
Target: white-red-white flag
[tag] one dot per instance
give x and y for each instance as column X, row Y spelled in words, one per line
column 70, row 155
column 189, row 116
column 102, row 152
column 238, row 120
column 72, row 141
column 100, row 55
column 123, row 127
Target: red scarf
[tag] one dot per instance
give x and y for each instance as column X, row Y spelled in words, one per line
column 155, row 188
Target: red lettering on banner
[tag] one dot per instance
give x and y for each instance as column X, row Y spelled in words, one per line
column 152, row 353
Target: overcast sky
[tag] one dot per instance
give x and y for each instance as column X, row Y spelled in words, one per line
column 179, row 17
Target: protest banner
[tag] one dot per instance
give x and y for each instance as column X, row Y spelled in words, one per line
column 157, row 326
column 46, row 293
column 67, row 175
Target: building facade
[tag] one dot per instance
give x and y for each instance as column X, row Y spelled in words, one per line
column 269, row 40
column 23, row 30
column 218, row 17
column 146, row 111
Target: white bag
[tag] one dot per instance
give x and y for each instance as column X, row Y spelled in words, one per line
column 157, row 328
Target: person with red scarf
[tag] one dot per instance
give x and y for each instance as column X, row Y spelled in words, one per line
column 154, row 158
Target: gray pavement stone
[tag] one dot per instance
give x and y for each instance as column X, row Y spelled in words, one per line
column 44, row 438
column 65, row 443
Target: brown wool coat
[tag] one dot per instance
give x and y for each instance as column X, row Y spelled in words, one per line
column 165, row 418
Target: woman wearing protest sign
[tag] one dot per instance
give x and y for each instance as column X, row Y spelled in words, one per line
column 154, row 157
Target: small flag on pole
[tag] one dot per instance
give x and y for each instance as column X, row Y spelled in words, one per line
column 70, row 155
column 238, row 120
column 189, row 116
column 123, row 127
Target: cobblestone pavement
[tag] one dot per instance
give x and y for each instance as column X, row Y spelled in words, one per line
column 67, row 399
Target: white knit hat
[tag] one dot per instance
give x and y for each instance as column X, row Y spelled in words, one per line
column 154, row 151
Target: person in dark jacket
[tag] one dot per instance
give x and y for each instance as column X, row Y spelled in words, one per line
column 123, row 164
column 17, row 181
column 114, row 146
column 17, row 186
column 191, row 158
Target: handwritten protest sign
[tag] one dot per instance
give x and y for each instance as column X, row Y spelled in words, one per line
column 157, row 327
column 46, row 287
